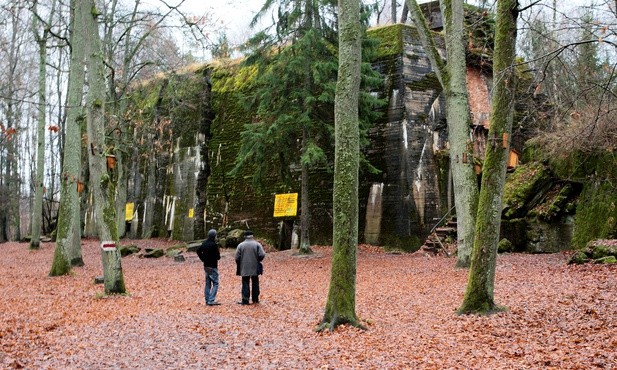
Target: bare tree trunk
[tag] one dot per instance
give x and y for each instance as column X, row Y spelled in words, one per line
column 37, row 206
column 479, row 295
column 459, row 126
column 68, row 236
column 404, row 13
column 305, row 212
column 341, row 302
column 12, row 173
column 393, row 11
column 102, row 180
column 453, row 80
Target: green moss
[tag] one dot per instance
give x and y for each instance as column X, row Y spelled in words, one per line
column 395, row 243
column 578, row 258
column 606, row 260
column 60, row 265
column 390, row 40
column 521, row 185
column 505, row 246
column 596, row 213
column 558, row 201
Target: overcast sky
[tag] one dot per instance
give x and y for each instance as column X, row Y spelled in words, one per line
column 233, row 16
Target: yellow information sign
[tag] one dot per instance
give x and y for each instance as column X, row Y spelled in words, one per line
column 128, row 211
column 285, row 205
column 191, row 212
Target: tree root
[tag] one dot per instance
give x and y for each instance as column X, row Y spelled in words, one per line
column 483, row 310
column 336, row 320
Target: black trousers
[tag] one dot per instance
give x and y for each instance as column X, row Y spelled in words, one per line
column 246, row 289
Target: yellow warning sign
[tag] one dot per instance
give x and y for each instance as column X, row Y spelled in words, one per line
column 285, row 205
column 128, row 211
column 191, row 212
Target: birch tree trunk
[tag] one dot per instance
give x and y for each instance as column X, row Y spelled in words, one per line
column 341, row 301
column 68, row 235
column 479, row 295
column 102, row 181
column 453, row 81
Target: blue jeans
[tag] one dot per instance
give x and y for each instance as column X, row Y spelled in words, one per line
column 212, row 284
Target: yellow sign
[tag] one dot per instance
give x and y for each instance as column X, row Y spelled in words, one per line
column 285, row 205
column 191, row 212
column 128, row 211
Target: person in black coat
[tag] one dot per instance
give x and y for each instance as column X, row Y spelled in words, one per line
column 209, row 253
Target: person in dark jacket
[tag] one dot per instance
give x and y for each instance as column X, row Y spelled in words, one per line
column 209, row 253
column 249, row 255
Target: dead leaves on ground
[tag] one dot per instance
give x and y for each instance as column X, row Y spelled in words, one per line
column 559, row 317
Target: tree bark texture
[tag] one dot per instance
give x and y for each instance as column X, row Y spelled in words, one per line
column 452, row 77
column 68, row 235
column 13, row 194
column 37, row 206
column 305, row 210
column 459, row 125
column 341, row 301
column 102, row 180
column 479, row 297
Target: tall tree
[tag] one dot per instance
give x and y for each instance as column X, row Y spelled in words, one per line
column 452, row 76
column 68, row 234
column 41, row 40
column 102, row 181
column 341, row 301
column 479, row 295
column 294, row 97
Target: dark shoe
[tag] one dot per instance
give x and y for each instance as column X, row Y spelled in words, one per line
column 256, row 301
column 213, row 304
column 243, row 302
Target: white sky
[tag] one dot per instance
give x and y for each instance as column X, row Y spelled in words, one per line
column 233, row 16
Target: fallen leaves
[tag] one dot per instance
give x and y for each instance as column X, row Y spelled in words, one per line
column 559, row 316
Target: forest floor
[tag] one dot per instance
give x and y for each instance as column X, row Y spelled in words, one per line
column 558, row 316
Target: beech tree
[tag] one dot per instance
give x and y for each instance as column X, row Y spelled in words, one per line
column 479, row 295
column 102, row 181
column 341, row 301
column 452, row 76
column 41, row 39
column 68, row 234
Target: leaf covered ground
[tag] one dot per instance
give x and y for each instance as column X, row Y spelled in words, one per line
column 558, row 317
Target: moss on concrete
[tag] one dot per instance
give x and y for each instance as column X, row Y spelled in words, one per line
column 390, row 40
column 596, row 213
column 521, row 186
